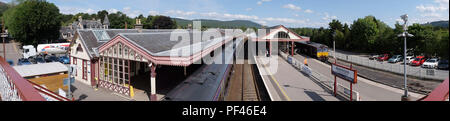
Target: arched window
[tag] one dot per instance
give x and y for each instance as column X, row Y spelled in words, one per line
column 282, row 35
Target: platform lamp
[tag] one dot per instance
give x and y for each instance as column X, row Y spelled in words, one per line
column 405, row 35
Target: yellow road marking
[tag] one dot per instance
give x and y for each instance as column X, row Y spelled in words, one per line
column 273, row 78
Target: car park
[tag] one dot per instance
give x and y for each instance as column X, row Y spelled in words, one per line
column 373, row 57
column 395, row 59
column 39, row 59
column 443, row 64
column 64, row 60
column 51, row 58
column 418, row 61
column 431, row 63
column 10, row 62
column 383, row 57
column 409, row 59
column 23, row 61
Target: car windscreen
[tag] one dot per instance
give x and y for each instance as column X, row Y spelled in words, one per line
column 444, row 62
column 417, row 59
column 431, row 60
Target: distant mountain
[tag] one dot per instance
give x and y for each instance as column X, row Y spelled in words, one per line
column 443, row 24
column 219, row 24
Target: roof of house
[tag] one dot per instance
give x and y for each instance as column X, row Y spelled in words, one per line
column 41, row 69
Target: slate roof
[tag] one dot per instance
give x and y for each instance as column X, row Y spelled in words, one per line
column 158, row 43
column 92, row 43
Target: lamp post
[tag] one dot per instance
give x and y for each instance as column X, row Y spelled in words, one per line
column 334, row 46
column 405, row 34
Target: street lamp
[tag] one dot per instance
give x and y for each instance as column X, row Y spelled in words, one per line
column 334, row 46
column 405, row 34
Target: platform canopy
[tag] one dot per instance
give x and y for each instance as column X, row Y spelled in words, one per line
column 158, row 48
column 281, row 34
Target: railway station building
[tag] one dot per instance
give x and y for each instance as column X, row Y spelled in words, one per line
column 145, row 60
column 284, row 37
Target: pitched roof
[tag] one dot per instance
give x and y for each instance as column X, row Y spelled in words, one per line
column 91, row 40
column 159, row 43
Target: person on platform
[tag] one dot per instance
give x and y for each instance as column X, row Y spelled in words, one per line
column 305, row 62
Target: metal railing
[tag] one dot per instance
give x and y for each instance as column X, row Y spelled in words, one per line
column 320, row 78
column 438, row 94
column 394, row 68
column 14, row 87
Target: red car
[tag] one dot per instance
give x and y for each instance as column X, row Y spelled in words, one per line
column 383, row 57
column 418, row 61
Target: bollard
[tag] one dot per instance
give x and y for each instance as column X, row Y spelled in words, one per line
column 131, row 92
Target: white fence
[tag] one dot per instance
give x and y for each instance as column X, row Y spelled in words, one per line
column 321, row 79
column 395, row 68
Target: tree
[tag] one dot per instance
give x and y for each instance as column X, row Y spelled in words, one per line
column 364, row 33
column 423, row 35
column 101, row 14
column 118, row 20
column 162, row 22
column 336, row 25
column 347, row 36
column 34, row 21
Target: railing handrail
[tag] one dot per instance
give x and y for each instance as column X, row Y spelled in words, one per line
column 25, row 89
column 49, row 92
column 439, row 94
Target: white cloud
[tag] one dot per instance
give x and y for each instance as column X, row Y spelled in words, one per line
column 431, row 8
column 437, row 11
column 113, row 11
column 262, row 1
column 181, row 13
column 327, row 17
column 309, row 11
column 292, row 7
column 74, row 10
column 153, row 13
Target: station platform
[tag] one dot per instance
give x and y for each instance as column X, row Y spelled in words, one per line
column 285, row 83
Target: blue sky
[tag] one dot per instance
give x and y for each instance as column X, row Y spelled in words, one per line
column 292, row 13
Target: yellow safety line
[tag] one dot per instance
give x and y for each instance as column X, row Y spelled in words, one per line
column 273, row 78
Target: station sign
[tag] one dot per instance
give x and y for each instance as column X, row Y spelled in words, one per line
column 344, row 73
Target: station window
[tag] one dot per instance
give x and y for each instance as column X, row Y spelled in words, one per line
column 85, row 69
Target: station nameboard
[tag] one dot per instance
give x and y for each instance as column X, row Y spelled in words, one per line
column 344, row 73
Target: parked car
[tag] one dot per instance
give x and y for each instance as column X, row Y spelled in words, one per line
column 23, row 61
column 51, row 58
column 409, row 59
column 395, row 59
column 39, row 59
column 418, row 61
column 373, row 57
column 32, row 60
column 431, row 63
column 64, row 60
column 10, row 62
column 383, row 57
column 443, row 64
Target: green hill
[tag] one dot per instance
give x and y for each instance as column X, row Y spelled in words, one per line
column 220, row 24
column 443, row 24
